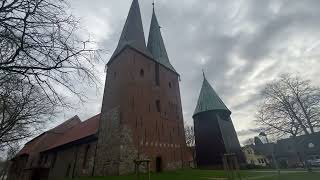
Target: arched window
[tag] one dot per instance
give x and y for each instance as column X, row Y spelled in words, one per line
column 158, row 106
column 141, row 72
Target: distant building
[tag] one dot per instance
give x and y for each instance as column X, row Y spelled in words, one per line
column 141, row 118
column 289, row 153
column 293, row 151
column 214, row 131
column 254, row 157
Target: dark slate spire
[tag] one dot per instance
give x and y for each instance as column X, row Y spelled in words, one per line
column 209, row 99
column 156, row 45
column 132, row 34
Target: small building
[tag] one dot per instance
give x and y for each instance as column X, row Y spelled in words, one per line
column 215, row 135
column 294, row 151
column 254, row 157
column 289, row 152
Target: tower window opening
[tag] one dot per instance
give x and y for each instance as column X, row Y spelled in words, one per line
column 170, row 85
column 141, row 72
column 158, row 105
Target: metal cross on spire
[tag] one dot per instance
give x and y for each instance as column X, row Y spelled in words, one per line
column 204, row 75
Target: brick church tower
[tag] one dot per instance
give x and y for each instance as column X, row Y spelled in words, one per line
column 141, row 115
column 214, row 131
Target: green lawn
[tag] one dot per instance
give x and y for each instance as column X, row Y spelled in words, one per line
column 211, row 174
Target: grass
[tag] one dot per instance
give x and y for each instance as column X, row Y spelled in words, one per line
column 295, row 176
column 211, row 174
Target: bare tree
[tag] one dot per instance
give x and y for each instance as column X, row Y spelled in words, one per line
column 24, row 109
column 42, row 58
column 291, row 106
column 190, row 140
column 41, row 45
column 189, row 133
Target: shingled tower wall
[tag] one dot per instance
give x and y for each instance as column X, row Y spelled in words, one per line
column 141, row 115
column 214, row 131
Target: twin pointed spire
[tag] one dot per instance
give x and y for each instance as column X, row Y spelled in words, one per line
column 209, row 99
column 156, row 44
column 133, row 36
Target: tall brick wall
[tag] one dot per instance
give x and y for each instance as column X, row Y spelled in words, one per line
column 137, row 129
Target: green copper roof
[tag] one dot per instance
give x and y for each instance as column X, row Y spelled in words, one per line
column 156, row 45
column 209, row 99
column 132, row 34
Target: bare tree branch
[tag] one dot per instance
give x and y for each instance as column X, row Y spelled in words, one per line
column 290, row 106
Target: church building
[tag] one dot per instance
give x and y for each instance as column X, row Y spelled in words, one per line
column 141, row 117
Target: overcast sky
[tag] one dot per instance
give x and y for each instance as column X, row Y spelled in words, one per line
column 241, row 45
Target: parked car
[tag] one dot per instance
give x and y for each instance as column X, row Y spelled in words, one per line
column 314, row 162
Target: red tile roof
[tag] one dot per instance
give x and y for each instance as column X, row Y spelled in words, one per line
column 69, row 131
column 82, row 130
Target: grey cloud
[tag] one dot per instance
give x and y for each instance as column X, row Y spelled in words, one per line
column 228, row 34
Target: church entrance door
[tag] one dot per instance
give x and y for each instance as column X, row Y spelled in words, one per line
column 158, row 164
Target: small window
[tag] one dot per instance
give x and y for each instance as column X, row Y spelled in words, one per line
column 170, row 85
column 68, row 170
column 114, row 74
column 45, row 159
column 141, row 72
column 158, row 105
column 136, row 122
column 132, row 103
column 54, row 160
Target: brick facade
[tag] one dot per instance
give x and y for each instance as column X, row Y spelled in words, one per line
column 139, row 118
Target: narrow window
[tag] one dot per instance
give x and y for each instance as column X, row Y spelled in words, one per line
column 85, row 158
column 68, row 170
column 115, row 74
column 136, row 122
column 170, row 85
column 157, row 78
column 158, row 105
column 54, row 160
column 46, row 159
column 132, row 103
column 141, row 72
